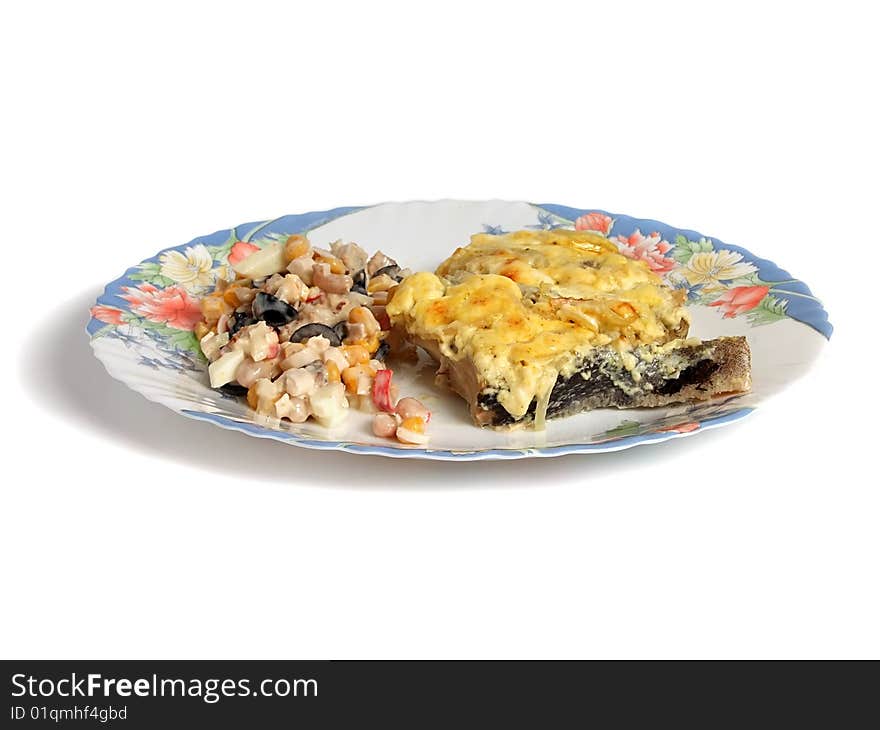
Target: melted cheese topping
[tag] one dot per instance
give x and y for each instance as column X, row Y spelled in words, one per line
column 525, row 307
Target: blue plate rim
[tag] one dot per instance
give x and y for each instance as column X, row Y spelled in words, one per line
column 815, row 317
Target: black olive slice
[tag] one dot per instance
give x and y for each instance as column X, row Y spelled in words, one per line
column 341, row 330
column 359, row 284
column 272, row 310
column 316, row 330
column 381, row 353
column 233, row 389
column 239, row 320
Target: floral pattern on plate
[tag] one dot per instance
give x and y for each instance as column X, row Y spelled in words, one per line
column 713, row 274
column 151, row 312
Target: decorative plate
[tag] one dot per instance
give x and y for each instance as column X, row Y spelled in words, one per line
column 141, row 326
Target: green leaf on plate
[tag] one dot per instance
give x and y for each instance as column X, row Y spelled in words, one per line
column 151, row 274
column 770, row 309
column 181, row 339
column 221, row 251
column 623, row 429
column 684, row 248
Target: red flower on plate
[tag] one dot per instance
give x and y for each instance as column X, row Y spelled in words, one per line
column 110, row 315
column 171, row 306
column 651, row 249
column 241, row 250
column 740, row 299
column 594, row 222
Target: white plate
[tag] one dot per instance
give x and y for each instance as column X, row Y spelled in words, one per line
column 140, row 326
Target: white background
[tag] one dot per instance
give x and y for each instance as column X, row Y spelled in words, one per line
column 128, row 532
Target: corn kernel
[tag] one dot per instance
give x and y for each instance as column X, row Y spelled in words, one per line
column 350, row 378
column 415, row 424
column 332, row 371
column 336, row 266
column 201, row 330
column 362, row 315
column 252, row 397
column 295, row 246
column 356, row 354
column 213, row 308
column 231, row 298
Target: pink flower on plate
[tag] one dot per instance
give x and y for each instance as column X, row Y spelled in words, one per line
column 651, row 249
column 681, row 427
column 594, row 222
column 171, row 306
column 241, row 250
column 740, row 299
column 110, row 315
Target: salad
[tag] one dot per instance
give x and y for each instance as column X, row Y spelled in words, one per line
column 301, row 332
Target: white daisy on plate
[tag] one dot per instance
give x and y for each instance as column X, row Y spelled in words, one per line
column 710, row 267
column 191, row 268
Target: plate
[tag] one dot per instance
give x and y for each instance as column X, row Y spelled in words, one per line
column 141, row 326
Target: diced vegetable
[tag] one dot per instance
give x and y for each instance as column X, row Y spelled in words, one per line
column 267, row 393
column 250, row 371
column 294, row 409
column 300, row 359
column 299, row 382
column 303, row 268
column 265, row 262
column 222, row 370
column 257, row 340
column 212, row 343
column 328, row 404
column 319, row 343
column 336, row 356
